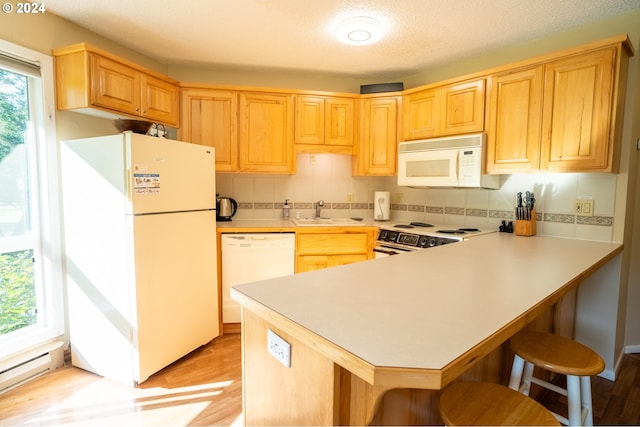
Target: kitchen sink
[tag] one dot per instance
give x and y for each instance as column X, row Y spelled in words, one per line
column 325, row 222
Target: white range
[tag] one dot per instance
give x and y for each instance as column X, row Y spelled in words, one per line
column 407, row 237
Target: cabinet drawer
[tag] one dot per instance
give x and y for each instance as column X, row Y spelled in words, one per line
column 331, row 243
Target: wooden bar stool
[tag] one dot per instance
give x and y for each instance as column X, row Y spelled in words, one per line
column 562, row 356
column 488, row 404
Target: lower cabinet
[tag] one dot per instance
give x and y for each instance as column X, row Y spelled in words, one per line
column 318, row 250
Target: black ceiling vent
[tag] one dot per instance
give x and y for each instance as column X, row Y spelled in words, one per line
column 381, row 87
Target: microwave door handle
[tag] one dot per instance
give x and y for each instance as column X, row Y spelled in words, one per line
column 456, row 162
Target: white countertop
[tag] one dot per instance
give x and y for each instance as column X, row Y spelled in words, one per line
column 427, row 308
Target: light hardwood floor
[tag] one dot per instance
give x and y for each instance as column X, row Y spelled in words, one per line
column 204, row 388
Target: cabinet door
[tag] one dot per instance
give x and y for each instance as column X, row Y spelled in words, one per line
column 114, row 86
column 340, row 116
column 578, row 100
column 319, row 262
column 513, row 143
column 462, row 108
column 419, row 116
column 266, row 133
column 337, row 260
column 378, row 137
column 309, row 120
column 159, row 100
column 210, row 117
column 311, row 263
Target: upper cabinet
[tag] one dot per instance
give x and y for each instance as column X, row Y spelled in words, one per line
column 266, row 133
column 515, row 120
column 324, row 123
column 559, row 115
column 210, row 117
column 376, row 151
column 452, row 109
column 89, row 78
column 579, row 103
column 560, row 112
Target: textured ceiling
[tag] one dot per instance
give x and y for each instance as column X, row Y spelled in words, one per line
column 299, row 34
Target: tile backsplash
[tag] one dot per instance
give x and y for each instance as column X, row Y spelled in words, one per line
column 328, row 177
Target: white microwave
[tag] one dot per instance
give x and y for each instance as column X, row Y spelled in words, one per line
column 445, row 162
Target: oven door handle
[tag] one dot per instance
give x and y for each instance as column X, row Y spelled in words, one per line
column 390, row 250
column 385, row 251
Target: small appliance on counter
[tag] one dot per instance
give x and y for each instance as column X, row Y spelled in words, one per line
column 382, row 205
column 226, row 208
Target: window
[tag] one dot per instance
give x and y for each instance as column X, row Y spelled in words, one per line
column 30, row 262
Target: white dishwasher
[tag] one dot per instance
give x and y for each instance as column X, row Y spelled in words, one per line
column 252, row 257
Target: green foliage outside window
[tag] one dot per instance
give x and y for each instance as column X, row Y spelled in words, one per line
column 17, row 291
column 17, row 285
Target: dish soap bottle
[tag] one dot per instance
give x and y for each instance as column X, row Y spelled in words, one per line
column 286, row 210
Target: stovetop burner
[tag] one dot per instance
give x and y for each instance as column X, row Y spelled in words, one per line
column 414, row 224
column 421, row 224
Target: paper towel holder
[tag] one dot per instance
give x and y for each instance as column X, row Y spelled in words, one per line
column 381, row 206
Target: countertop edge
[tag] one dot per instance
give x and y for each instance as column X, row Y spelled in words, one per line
column 420, row 377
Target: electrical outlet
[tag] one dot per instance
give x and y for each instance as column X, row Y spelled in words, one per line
column 349, row 197
column 398, row 198
column 279, row 348
column 313, row 159
column 583, row 207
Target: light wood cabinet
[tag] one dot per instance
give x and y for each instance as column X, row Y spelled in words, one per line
column 420, row 114
column 513, row 141
column 160, row 100
column 114, row 86
column 88, row 79
column 558, row 115
column 318, row 250
column 578, row 106
column 266, row 133
column 324, row 124
column 376, row 151
column 452, row 109
column 210, row 117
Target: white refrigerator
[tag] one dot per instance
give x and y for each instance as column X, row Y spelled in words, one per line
column 140, row 252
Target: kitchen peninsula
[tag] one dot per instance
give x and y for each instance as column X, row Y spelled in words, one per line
column 411, row 322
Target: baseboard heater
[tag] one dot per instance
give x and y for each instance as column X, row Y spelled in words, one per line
column 30, row 365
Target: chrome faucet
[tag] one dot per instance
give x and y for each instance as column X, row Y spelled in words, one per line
column 319, row 204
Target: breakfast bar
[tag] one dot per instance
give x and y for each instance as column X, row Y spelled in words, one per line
column 401, row 324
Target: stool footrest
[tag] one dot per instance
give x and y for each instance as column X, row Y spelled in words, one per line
column 549, row 386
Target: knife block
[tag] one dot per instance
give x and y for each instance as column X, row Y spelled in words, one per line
column 526, row 227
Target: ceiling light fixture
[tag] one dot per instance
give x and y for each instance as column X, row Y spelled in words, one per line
column 359, row 30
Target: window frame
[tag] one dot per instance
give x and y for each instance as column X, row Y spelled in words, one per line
column 44, row 152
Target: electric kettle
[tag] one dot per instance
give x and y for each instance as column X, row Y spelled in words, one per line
column 226, row 207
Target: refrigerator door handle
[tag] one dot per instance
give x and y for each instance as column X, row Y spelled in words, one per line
column 128, row 185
